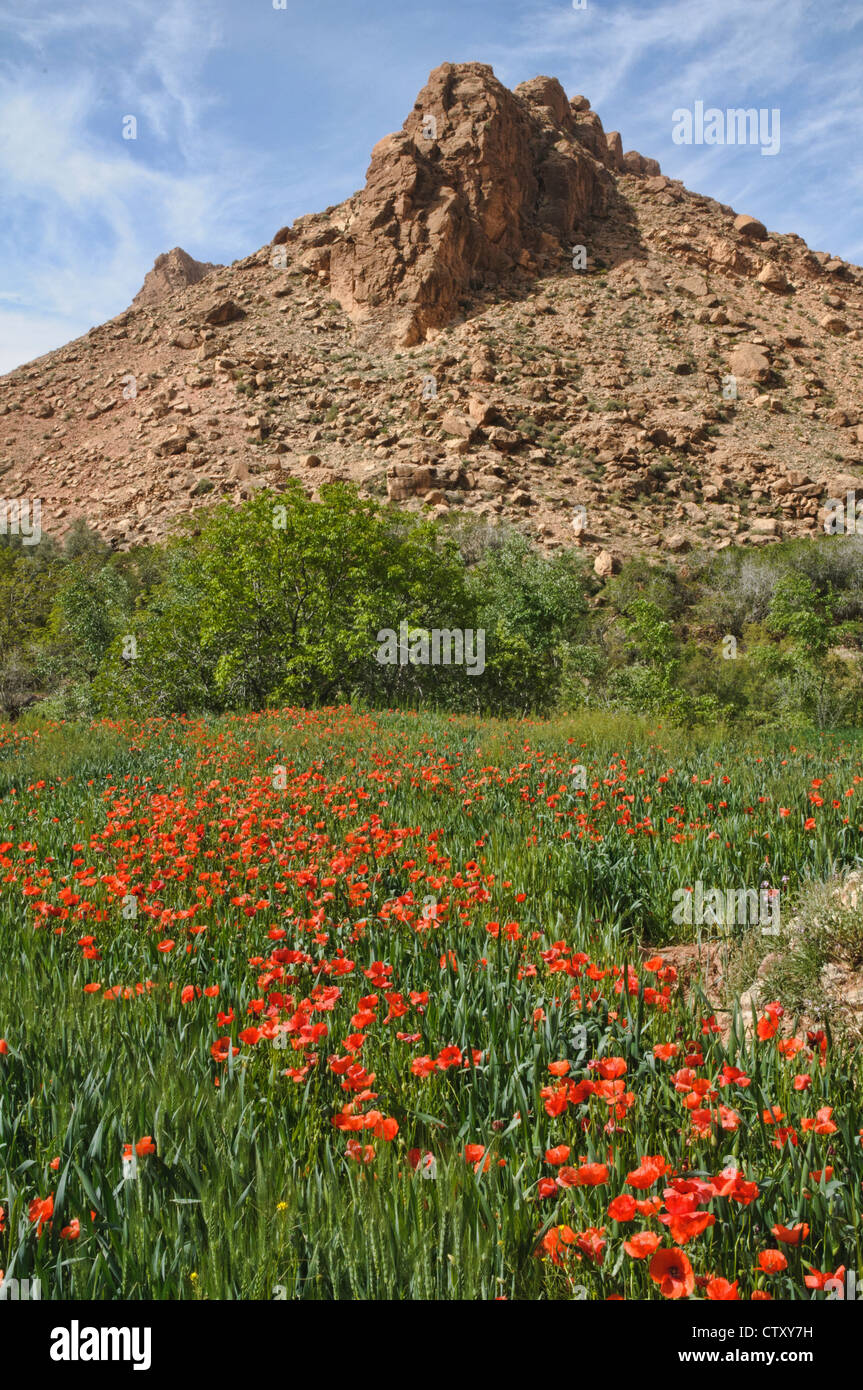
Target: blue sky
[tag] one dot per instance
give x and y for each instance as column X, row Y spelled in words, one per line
column 249, row 116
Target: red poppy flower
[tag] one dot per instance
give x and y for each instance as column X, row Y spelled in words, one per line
column 386, row 1128
column 592, row 1174
column 557, row 1155
column 642, row 1244
column 649, row 1171
column 358, row 1152
column 622, row 1208
column 41, row 1210
column 611, row 1067
column 720, row 1289
column 772, row 1261
column 816, row 1280
column 449, row 1057
column 791, row 1235
column 671, row 1270
column 687, row 1225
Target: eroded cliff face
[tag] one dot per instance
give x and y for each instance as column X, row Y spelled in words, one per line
column 479, row 183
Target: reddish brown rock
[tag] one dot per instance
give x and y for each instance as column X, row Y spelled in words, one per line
column 635, row 163
column 224, row 311
column 172, row 272
column 772, row 278
column 479, row 184
column 749, row 362
column 750, row 227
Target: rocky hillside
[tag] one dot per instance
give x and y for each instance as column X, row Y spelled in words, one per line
column 514, row 318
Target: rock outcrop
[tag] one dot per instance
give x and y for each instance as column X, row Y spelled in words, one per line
column 172, row 272
column 481, row 184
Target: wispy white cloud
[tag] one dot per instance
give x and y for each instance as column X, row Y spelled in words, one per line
column 170, row 67
column 71, row 187
column 86, row 210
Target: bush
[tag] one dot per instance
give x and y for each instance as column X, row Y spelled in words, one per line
column 282, row 600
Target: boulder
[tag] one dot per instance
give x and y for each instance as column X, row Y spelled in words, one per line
column 772, row 278
column 749, row 363
column 750, row 228
column 223, row 311
column 458, row 425
column 405, row 480
column 174, row 443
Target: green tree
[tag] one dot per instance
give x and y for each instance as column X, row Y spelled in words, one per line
column 280, row 601
column 532, row 610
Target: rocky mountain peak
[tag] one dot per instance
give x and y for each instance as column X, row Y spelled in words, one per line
column 692, row 380
column 172, row 272
column 481, row 184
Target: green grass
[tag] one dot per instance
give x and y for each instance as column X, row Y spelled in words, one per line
column 251, row 1192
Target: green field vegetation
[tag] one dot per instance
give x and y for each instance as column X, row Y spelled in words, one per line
column 218, row 933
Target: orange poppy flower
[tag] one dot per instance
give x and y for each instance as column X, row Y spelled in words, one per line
column 647, row 1173
column 815, row 1279
column 611, row 1067
column 687, row 1225
column 557, row 1155
column 592, row 1174
column 386, row 1128
column 622, row 1208
column 822, row 1124
column 477, row 1155
column 41, row 1210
